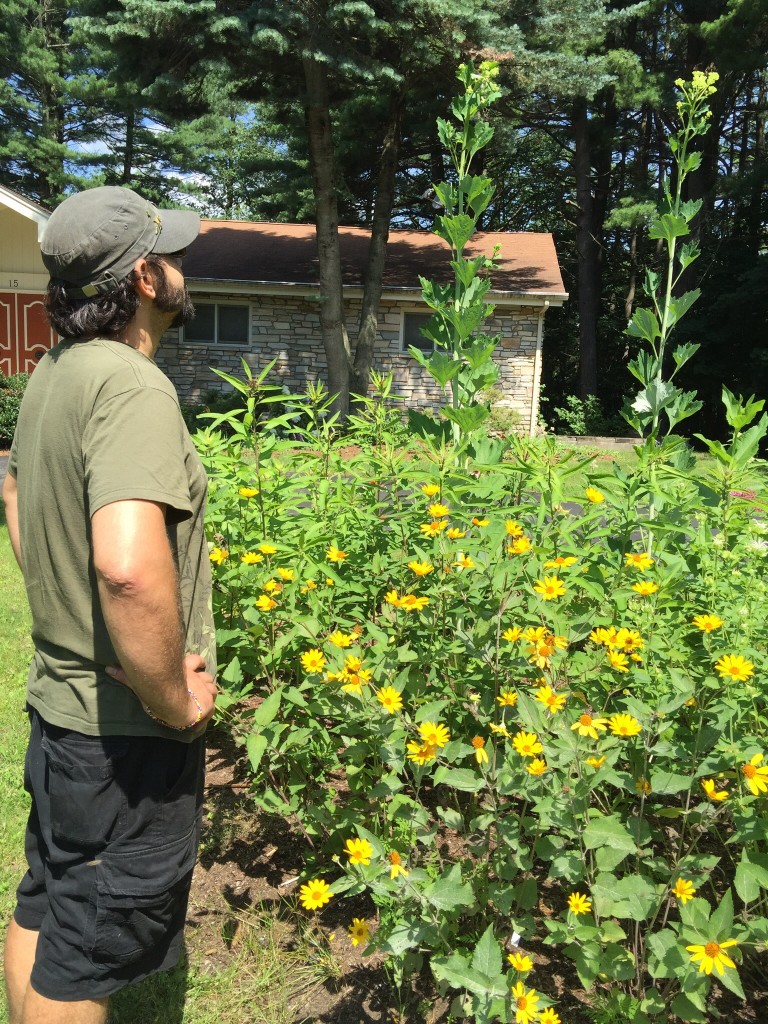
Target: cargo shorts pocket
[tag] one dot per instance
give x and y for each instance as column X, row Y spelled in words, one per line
column 86, row 804
column 140, row 901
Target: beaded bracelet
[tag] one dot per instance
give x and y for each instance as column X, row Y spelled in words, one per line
column 180, row 728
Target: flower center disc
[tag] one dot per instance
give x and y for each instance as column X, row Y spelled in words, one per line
column 712, row 950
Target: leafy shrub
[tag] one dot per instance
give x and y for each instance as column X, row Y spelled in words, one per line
column 11, row 393
column 586, row 417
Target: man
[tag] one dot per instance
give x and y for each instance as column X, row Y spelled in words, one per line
column 105, row 498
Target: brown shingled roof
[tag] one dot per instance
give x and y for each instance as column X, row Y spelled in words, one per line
column 287, row 254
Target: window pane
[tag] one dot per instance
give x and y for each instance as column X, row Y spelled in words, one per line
column 233, row 325
column 412, row 334
column 203, row 327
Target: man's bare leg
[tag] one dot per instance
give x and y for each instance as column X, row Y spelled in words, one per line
column 20, row 946
column 39, row 1010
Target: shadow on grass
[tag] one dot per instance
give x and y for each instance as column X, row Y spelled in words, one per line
column 158, row 1000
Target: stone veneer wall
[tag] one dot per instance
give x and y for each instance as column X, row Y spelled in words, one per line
column 287, row 329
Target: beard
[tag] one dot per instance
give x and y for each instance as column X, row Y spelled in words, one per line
column 173, row 299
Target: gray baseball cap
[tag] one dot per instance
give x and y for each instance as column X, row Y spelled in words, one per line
column 93, row 238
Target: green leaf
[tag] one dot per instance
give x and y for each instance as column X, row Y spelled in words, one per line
column 267, row 711
column 256, row 744
column 644, row 325
column 457, row 972
column 456, row 230
column 667, row 959
column 448, row 891
column 751, row 876
column 608, row 831
column 680, row 305
column 404, row 936
column 730, row 979
column 487, row 956
column 669, row 227
column 664, row 783
column 469, row 418
column 721, row 921
column 687, row 1010
column 459, row 778
column 233, row 673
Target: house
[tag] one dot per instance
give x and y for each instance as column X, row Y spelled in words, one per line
column 256, row 293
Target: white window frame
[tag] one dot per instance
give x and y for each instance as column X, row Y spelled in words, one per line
column 418, row 311
column 216, row 302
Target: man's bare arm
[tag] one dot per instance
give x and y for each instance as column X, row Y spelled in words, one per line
column 139, row 596
column 10, row 498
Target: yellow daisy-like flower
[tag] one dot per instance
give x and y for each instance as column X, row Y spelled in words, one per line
column 550, row 588
column 333, row 554
column 477, row 521
column 604, row 635
column 549, row 1016
column 512, row 634
column 527, row 744
column 586, row 725
column 286, row 574
column 710, row 788
column 596, row 497
column 552, row 701
column 251, row 558
column 390, row 699
column 499, row 730
column 481, row 754
column 421, row 753
column 707, row 623
column 248, row 492
column 561, row 562
column 434, row 734
column 513, row 528
column 433, row 529
column 645, row 588
column 733, row 666
column 639, row 560
column 308, row 585
column 339, row 639
column 273, row 587
column 315, row 894
column 421, row 568
column 537, row 766
column 359, row 851
column 219, row 555
column 519, row 546
column 629, row 640
column 396, row 865
column 358, row 931
column 618, row 661
column 711, row 956
column 438, row 511
column 624, row 725
column 595, row 762
column 643, row 785
column 526, row 1003
column 578, row 904
column 430, row 490
column 265, row 603
column 412, row 603
column 267, row 549
column 455, row 533
column 521, row 962
column 507, row 698
column 757, row 777
column 313, row 660
column 393, row 598
column 683, row 890
column 464, row 561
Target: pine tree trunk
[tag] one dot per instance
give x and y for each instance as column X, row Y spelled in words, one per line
column 588, row 253
column 334, row 335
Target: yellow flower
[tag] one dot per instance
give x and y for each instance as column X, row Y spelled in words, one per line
column 578, row 904
column 513, row 528
column 359, row 851
column 411, row 603
column 251, row 558
column 464, row 561
column 421, row 753
column 433, row 529
column 595, row 762
column 314, row 894
column 549, row 1016
column 550, row 587
column 507, row 698
column 512, row 634
column 733, row 666
column 433, row 734
column 561, row 562
column 421, row 568
column 710, row 788
column 519, row 546
column 683, row 890
column 624, row 725
column 455, row 533
column 706, row 623
column 389, row 699
column 526, row 1003
column 430, row 490
column 643, row 785
column 396, row 865
column 308, row 585
column 248, row 492
column 605, row 635
column 438, row 511
column 273, row 587
column 527, row 744
column 339, row 639
column 521, row 962
column 333, row 554
column 330, row 582
column 536, row 767
column 391, row 597
column 640, row 560
column 219, row 555
column 267, row 549
column 588, row 726
column 645, row 588
column 359, row 931
column 480, row 522
column 481, row 754
column 313, row 660
column 712, row 956
column 757, row 778
column 286, row 574
column 552, row 701
column 618, row 661
column 629, row 639
column 265, row 603
column 499, row 730
column 593, row 495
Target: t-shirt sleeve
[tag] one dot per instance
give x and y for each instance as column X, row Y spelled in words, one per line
column 13, row 458
column 134, row 449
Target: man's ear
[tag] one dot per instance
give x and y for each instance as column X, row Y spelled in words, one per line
column 144, row 281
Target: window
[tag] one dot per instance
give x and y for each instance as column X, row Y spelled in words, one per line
column 219, row 323
column 411, row 332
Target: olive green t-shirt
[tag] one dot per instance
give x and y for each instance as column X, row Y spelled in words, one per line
column 99, row 423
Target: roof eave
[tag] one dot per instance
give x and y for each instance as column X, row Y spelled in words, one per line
column 25, row 207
